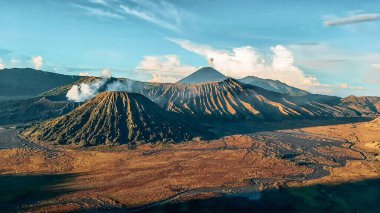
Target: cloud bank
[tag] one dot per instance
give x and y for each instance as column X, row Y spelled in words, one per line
column 247, row 61
column 166, row 68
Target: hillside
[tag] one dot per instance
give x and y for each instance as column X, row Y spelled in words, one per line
column 30, row 82
column 112, row 118
column 203, row 75
column 54, row 102
column 231, row 99
column 364, row 105
column 273, row 85
column 34, row 109
column 47, row 105
column 375, row 122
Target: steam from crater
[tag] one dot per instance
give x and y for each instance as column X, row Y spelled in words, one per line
column 86, row 91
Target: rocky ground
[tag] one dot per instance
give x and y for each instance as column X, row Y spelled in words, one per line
column 36, row 177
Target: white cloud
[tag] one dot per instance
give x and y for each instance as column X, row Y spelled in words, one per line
column 376, row 66
column 343, row 86
column 347, row 86
column 245, row 61
column 84, row 74
column 2, row 66
column 373, row 76
column 352, row 19
column 106, row 73
column 15, row 62
column 37, row 62
column 166, row 68
column 102, row 2
column 336, row 63
column 99, row 12
column 320, row 56
column 161, row 13
column 158, row 78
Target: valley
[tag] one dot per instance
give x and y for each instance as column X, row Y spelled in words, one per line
column 155, row 175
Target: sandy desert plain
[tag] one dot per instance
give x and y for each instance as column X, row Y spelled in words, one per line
column 265, row 169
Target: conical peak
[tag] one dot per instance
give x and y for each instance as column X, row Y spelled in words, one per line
column 203, row 75
column 112, row 118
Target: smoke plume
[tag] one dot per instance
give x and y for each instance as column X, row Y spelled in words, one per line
column 86, row 91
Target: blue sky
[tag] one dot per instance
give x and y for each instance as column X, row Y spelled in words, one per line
column 330, row 47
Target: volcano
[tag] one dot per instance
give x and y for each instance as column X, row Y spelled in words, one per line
column 231, row 99
column 203, row 75
column 112, row 118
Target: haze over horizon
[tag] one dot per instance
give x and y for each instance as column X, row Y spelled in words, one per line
column 320, row 46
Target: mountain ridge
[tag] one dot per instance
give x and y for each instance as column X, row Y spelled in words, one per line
column 31, row 82
column 209, row 98
column 235, row 100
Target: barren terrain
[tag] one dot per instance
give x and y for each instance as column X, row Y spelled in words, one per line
column 117, row 177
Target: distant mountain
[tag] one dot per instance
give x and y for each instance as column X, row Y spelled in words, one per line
column 273, row 85
column 231, row 99
column 112, row 118
column 49, row 104
column 227, row 99
column 203, row 75
column 33, row 109
column 30, row 82
column 363, row 106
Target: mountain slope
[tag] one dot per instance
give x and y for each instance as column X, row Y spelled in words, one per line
column 54, row 102
column 272, row 85
column 364, row 105
column 231, row 99
column 34, row 109
column 47, row 105
column 112, row 118
column 203, row 75
column 31, row 82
